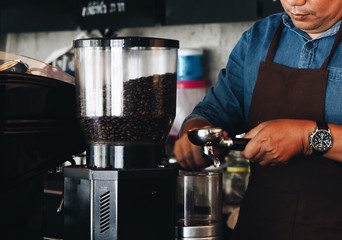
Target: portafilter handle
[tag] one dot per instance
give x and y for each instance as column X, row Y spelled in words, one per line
column 234, row 143
column 208, row 138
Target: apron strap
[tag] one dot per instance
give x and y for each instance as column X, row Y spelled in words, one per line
column 275, row 42
column 332, row 51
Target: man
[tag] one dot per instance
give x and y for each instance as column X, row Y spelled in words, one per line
column 282, row 86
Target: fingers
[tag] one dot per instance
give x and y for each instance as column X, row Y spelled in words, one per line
column 253, row 151
column 186, row 157
column 187, row 154
column 260, row 151
column 271, row 143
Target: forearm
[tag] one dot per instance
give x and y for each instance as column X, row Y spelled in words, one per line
column 278, row 141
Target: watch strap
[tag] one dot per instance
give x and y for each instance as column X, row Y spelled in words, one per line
column 322, row 125
column 316, row 152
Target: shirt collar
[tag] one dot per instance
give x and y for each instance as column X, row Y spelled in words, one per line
column 330, row 32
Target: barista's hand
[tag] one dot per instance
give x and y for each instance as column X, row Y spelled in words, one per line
column 187, row 154
column 275, row 142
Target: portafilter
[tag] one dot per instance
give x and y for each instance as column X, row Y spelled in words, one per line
column 209, row 138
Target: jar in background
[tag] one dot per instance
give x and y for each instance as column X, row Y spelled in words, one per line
column 191, row 89
column 190, row 64
column 235, row 178
column 189, row 93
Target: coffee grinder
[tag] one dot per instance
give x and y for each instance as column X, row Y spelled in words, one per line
column 126, row 96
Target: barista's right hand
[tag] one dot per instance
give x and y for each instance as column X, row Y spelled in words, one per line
column 187, row 154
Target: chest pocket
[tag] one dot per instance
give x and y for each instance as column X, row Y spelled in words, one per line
column 333, row 104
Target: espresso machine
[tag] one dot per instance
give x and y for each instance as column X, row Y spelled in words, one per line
column 126, row 98
column 38, row 131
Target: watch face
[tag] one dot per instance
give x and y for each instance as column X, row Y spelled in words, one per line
column 321, row 140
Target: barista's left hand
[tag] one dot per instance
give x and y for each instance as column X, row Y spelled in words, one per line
column 276, row 141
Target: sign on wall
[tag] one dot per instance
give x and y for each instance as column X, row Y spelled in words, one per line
column 113, row 14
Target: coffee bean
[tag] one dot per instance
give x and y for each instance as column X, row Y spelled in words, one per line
column 149, row 108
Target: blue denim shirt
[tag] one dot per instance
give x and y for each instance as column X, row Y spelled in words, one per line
column 227, row 103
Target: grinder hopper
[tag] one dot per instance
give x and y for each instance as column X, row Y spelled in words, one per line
column 126, row 98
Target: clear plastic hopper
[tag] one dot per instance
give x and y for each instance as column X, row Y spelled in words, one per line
column 126, row 97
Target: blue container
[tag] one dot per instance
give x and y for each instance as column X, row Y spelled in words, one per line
column 190, row 64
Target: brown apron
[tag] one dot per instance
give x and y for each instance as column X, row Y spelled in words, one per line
column 301, row 200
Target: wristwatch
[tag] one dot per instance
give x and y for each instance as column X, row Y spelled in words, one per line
column 321, row 139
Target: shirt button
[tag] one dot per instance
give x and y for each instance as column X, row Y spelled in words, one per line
column 309, row 45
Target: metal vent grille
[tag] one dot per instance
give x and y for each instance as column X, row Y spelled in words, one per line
column 104, row 212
